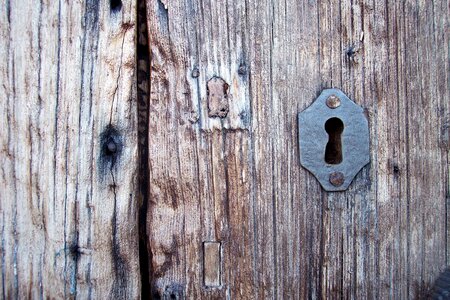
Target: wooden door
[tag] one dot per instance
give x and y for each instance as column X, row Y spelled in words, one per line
column 149, row 149
column 234, row 178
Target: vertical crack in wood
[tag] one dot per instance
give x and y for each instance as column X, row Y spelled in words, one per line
column 445, row 145
column 117, row 80
column 446, row 140
column 143, row 89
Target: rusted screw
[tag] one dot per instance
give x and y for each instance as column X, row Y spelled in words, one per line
column 337, row 178
column 195, row 73
column 333, row 102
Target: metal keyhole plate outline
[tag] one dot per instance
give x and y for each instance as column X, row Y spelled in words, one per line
column 313, row 139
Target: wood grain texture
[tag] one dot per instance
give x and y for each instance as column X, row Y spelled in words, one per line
column 235, row 178
column 68, row 205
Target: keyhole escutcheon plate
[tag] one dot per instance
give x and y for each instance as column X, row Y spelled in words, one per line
column 333, row 139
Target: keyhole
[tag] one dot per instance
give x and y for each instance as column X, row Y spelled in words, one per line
column 333, row 150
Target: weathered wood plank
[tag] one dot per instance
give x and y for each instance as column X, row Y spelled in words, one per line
column 68, row 205
column 282, row 236
column 190, row 194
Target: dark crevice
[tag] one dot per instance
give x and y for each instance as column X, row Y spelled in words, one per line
column 143, row 92
column 115, row 5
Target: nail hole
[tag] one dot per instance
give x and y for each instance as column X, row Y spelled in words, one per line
column 242, row 69
column 195, row 73
column 396, row 169
column 333, row 151
column 115, row 5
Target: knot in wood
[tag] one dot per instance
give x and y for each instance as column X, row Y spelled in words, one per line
column 111, row 145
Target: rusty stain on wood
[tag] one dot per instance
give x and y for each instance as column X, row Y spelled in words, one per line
column 211, row 264
column 217, row 91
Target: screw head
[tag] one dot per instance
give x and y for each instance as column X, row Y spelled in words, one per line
column 337, row 178
column 333, row 102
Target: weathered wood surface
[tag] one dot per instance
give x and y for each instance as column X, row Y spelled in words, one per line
column 68, row 208
column 227, row 81
column 231, row 214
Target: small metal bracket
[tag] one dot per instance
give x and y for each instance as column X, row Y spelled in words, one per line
column 333, row 139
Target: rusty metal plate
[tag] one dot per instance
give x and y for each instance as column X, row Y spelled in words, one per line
column 333, row 139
